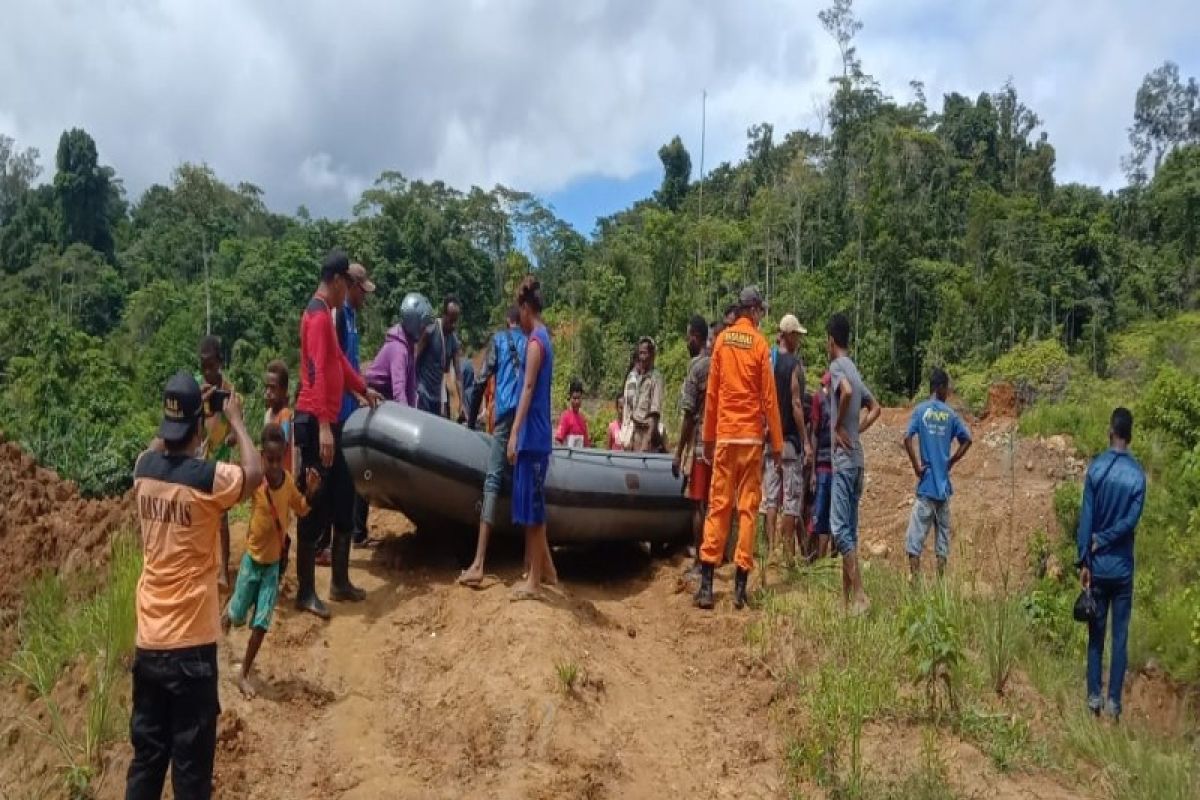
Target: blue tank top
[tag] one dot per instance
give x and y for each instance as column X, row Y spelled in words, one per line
column 536, row 434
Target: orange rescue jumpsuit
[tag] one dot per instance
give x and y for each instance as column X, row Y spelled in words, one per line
column 740, row 395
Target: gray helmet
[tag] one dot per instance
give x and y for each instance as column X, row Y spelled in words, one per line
column 416, row 312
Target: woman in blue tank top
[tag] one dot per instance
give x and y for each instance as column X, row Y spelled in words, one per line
column 530, row 443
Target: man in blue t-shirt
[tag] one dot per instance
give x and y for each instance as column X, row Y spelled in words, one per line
column 936, row 425
column 504, row 364
column 345, row 323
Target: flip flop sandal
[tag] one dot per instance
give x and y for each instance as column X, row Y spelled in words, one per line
column 524, row 594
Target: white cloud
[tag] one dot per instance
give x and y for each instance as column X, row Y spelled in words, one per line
column 312, row 101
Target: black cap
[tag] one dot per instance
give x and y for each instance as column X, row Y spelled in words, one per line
column 181, row 407
column 336, row 263
column 750, row 297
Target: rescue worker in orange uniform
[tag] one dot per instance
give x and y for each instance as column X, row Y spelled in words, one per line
column 740, row 397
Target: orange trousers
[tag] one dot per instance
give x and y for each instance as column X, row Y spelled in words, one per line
column 736, row 480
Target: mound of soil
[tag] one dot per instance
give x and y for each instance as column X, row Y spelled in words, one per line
column 46, row 524
column 1003, row 401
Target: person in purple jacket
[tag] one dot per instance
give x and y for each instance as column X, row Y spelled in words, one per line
column 393, row 373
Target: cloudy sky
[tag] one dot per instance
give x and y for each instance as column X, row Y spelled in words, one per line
column 566, row 98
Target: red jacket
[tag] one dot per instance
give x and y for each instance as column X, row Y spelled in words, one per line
column 325, row 372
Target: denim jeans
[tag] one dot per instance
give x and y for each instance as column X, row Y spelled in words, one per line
column 1117, row 594
column 928, row 513
column 497, row 469
column 843, row 514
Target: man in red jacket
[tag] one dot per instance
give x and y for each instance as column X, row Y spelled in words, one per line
column 325, row 374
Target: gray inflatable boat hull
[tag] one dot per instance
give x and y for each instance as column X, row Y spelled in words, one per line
column 432, row 471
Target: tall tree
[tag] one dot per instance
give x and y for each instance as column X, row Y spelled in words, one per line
column 85, row 193
column 840, row 23
column 1166, row 114
column 18, row 171
column 677, row 171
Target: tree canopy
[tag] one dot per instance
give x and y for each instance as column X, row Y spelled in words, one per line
column 938, row 228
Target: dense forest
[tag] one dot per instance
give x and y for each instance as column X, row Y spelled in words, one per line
column 938, row 227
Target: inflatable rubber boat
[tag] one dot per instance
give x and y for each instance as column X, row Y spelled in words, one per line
column 432, row 470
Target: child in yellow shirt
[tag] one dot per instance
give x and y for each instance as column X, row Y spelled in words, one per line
column 258, row 576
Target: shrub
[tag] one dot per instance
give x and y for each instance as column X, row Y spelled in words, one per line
column 1048, row 614
column 1068, row 498
column 1037, row 369
column 933, row 639
column 1172, row 404
column 971, row 389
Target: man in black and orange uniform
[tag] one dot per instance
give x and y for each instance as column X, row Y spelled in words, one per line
column 180, row 502
column 740, row 396
column 325, row 373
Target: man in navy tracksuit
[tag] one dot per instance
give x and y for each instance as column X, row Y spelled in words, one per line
column 1114, row 491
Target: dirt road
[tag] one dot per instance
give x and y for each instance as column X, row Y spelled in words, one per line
column 430, row 690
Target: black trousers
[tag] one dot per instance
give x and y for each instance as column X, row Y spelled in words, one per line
column 174, row 722
column 362, row 511
column 334, row 502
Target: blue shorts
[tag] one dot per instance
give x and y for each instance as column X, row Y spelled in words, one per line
column 258, row 587
column 529, row 488
column 821, row 502
column 843, row 512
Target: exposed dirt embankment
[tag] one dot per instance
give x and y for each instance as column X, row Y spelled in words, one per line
column 45, row 524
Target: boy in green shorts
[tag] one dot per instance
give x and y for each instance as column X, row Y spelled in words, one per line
column 258, row 576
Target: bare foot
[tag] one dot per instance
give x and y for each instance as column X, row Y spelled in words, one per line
column 860, row 606
column 550, row 578
column 246, row 686
column 471, row 576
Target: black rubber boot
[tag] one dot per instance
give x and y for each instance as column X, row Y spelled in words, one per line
column 739, row 588
column 306, row 579
column 704, row 595
column 340, row 587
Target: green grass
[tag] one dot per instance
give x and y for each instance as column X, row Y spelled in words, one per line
column 567, row 674
column 1085, row 422
column 1135, row 766
column 58, row 627
column 918, row 648
column 932, row 620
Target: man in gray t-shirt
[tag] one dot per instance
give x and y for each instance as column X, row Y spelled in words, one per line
column 842, row 372
column 850, row 397
column 437, row 356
